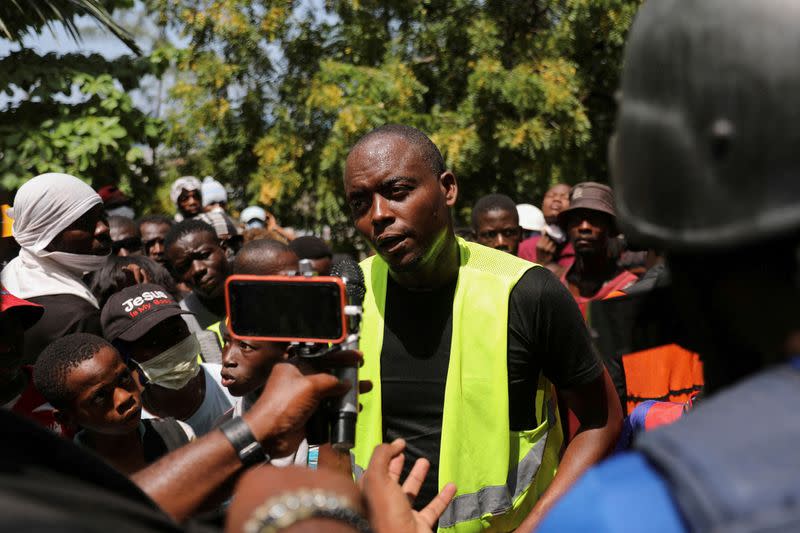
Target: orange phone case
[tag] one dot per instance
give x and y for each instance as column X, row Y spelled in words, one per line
column 293, row 279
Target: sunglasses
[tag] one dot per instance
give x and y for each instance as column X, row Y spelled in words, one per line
column 130, row 244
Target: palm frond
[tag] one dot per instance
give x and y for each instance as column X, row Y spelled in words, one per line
column 20, row 17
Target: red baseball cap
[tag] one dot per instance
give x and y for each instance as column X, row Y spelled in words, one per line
column 28, row 312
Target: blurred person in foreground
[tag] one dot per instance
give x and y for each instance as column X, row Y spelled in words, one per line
column 186, row 194
column 61, row 225
column 48, row 483
column 552, row 248
column 463, row 344
column 688, row 162
column 495, row 221
column 125, row 237
column 153, row 230
column 590, row 222
column 145, row 324
column 315, row 250
column 17, row 391
column 92, row 389
column 197, row 258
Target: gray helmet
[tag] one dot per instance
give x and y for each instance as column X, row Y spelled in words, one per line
column 707, row 149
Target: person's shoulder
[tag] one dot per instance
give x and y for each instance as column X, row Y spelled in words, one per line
column 624, row 493
column 537, row 282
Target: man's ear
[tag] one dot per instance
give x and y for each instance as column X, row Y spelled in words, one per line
column 449, row 185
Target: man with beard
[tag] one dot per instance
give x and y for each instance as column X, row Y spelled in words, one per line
column 590, row 223
column 463, row 344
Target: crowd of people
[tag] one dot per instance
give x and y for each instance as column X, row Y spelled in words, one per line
column 613, row 360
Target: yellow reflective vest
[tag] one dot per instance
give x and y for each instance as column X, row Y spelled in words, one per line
column 499, row 473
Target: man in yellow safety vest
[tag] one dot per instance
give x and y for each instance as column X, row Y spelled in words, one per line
column 465, row 346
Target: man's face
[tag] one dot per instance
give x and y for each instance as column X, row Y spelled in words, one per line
column 190, row 203
column 499, row 229
column 246, row 365
column 397, row 202
column 106, row 397
column 160, row 338
column 125, row 239
column 589, row 231
column 11, row 356
column 198, row 260
column 87, row 236
column 322, row 266
column 153, row 234
column 555, row 200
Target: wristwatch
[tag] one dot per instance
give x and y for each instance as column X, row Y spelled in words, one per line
column 244, row 442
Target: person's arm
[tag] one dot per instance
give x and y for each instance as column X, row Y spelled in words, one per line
column 600, row 420
column 182, row 480
column 547, row 332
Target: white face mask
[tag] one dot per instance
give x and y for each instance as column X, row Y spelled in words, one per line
column 175, row 367
column 76, row 263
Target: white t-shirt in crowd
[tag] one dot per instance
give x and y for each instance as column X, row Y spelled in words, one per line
column 215, row 404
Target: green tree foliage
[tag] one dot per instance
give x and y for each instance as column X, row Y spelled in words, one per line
column 517, row 93
column 73, row 113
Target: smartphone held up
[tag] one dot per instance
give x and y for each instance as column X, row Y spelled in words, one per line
column 317, row 315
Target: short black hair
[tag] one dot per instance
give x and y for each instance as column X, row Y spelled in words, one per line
column 430, row 152
column 493, row 202
column 112, row 277
column 185, row 228
column 123, row 222
column 310, row 247
column 58, row 359
column 155, row 219
column 255, row 256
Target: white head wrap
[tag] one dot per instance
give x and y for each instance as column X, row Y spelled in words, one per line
column 44, row 207
column 213, row 192
column 186, row 183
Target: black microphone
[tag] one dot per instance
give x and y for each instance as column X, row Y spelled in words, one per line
column 343, row 431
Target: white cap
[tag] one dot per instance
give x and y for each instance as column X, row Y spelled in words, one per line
column 530, row 217
column 213, row 192
column 253, row 212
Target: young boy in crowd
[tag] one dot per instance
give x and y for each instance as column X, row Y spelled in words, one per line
column 144, row 323
column 246, row 365
column 85, row 379
column 17, row 392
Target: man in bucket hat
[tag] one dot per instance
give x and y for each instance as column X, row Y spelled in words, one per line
column 591, row 226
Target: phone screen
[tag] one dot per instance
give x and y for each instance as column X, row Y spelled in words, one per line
column 286, row 310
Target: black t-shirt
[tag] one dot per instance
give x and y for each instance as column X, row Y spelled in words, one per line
column 63, row 314
column 546, row 333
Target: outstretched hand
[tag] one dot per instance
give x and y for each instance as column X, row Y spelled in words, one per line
column 389, row 503
column 290, row 396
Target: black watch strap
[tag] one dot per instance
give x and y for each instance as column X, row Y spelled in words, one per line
column 247, row 447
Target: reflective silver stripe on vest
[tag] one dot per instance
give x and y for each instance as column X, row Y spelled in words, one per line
column 495, row 500
column 357, row 470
